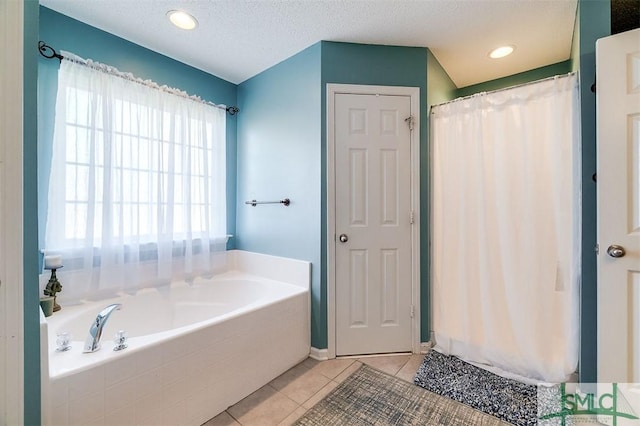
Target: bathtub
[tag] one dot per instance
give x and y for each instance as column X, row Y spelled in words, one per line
column 193, row 350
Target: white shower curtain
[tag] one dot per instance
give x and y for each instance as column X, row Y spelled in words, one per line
column 506, row 229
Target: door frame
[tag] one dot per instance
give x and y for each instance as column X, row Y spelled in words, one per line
column 414, row 94
column 11, row 217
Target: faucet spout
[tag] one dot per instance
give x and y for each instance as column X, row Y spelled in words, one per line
column 92, row 343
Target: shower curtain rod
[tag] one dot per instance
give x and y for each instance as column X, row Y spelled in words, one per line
column 50, row 53
column 504, row 88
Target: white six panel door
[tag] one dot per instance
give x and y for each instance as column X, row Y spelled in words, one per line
column 618, row 112
column 373, row 224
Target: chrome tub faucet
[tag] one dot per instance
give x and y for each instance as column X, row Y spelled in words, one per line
column 92, row 343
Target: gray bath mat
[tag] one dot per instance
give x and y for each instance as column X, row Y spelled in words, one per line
column 507, row 399
column 371, row 397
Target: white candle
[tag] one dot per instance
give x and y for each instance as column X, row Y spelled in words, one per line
column 52, row 262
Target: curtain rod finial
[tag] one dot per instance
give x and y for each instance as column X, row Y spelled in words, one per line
column 48, row 51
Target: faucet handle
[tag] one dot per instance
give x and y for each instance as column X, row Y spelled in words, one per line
column 120, row 340
column 63, row 341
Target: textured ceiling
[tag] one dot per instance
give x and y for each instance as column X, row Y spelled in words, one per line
column 237, row 39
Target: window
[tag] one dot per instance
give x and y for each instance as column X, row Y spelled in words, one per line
column 135, row 167
column 150, row 169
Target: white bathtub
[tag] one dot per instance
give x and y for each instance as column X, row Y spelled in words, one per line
column 193, row 350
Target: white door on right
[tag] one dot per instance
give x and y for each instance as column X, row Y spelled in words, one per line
column 618, row 151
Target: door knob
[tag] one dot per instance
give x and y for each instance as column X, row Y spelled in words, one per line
column 616, row 251
column 343, row 238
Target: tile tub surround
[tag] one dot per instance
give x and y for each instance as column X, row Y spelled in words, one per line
column 189, row 377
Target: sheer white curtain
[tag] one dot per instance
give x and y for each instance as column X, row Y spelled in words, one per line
column 506, row 229
column 137, row 184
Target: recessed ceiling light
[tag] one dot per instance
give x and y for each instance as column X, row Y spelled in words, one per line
column 182, row 19
column 501, row 52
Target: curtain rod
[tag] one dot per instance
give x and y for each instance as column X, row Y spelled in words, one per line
column 50, row 53
column 504, row 88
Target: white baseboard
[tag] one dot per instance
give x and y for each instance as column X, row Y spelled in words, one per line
column 425, row 347
column 319, row 354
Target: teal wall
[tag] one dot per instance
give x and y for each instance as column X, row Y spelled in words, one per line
column 278, row 157
column 282, row 152
column 30, row 218
column 349, row 63
column 520, row 78
column 594, row 22
column 64, row 33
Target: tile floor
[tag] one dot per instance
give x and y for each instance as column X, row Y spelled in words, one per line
column 289, row 396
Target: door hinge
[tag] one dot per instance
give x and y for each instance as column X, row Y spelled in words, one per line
column 410, row 120
column 412, row 218
column 597, row 249
column 413, row 311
